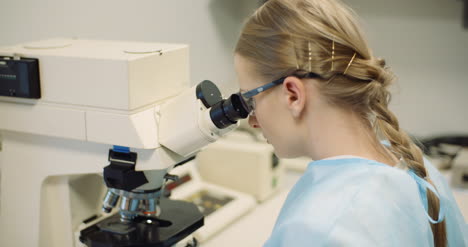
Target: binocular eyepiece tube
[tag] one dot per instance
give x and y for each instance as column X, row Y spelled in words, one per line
column 227, row 111
column 223, row 112
column 199, row 116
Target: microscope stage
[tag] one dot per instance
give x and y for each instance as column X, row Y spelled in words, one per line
column 178, row 220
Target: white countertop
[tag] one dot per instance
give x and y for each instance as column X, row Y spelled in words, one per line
column 253, row 229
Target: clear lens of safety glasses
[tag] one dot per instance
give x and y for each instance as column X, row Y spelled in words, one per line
column 249, row 103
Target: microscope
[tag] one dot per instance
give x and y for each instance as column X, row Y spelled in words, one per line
column 84, row 120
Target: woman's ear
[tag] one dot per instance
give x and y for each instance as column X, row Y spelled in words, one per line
column 294, row 93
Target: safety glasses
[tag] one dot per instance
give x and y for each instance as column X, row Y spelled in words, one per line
column 248, row 99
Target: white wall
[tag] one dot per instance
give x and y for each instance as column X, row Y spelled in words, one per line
column 424, row 43
column 422, row 40
column 210, row 27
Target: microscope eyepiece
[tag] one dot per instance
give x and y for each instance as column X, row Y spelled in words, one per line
column 228, row 111
column 223, row 112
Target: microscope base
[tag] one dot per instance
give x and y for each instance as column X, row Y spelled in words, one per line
column 178, row 219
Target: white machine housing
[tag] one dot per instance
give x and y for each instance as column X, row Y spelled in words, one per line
column 95, row 94
column 240, row 162
column 98, row 91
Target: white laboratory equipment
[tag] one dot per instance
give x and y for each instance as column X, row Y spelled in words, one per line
column 221, row 206
column 72, row 107
column 458, row 177
column 243, row 162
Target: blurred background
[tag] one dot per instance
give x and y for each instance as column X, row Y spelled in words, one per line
column 422, row 40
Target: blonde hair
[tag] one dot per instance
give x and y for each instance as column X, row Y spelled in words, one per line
column 294, row 37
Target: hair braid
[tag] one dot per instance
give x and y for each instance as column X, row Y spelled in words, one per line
column 404, row 147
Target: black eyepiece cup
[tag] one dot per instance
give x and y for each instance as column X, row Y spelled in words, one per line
column 226, row 112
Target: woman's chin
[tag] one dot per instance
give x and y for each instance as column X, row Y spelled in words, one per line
column 278, row 153
column 281, row 151
column 285, row 153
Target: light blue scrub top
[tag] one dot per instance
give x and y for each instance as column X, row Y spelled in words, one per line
column 360, row 202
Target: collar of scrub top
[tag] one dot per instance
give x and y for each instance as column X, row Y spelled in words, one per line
column 249, row 94
column 423, row 186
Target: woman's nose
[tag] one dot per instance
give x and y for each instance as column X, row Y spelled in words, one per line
column 253, row 122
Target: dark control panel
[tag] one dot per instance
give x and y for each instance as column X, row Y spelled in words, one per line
column 19, row 77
